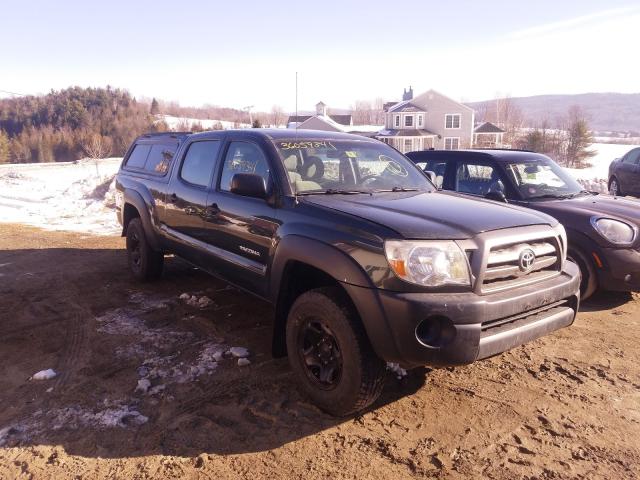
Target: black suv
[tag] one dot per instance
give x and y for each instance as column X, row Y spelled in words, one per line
column 363, row 259
column 624, row 174
column 602, row 230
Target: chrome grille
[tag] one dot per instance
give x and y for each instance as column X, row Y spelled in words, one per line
column 521, row 262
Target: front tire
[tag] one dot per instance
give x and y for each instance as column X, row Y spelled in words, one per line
column 330, row 353
column 614, row 188
column 589, row 281
column 144, row 262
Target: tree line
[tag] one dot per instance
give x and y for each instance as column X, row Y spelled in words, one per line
column 73, row 123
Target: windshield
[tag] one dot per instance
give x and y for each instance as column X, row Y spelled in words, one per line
column 542, row 178
column 348, row 166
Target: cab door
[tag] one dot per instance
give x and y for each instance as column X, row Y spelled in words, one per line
column 186, row 204
column 242, row 229
column 629, row 173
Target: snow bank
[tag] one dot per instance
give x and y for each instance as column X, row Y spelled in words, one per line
column 61, row 196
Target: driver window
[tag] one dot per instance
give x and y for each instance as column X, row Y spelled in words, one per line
column 243, row 157
column 477, row 179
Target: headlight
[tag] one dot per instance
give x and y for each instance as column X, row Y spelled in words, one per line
column 428, row 263
column 615, row 231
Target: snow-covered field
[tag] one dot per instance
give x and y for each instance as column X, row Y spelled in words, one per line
column 61, row 196
column 178, row 122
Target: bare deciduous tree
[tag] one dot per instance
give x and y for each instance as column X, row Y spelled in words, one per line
column 96, row 146
column 277, row 117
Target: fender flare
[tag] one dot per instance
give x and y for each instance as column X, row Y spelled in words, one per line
column 345, row 271
column 145, row 210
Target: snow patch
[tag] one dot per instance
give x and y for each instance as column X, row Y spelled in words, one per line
column 238, row 352
column 47, row 374
column 397, row 370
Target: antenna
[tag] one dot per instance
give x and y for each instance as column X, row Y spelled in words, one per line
column 297, row 123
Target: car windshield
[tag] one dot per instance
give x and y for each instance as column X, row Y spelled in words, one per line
column 542, row 178
column 348, row 167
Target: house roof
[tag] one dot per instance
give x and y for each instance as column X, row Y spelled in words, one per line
column 405, row 107
column 488, row 127
column 341, row 119
column 410, row 132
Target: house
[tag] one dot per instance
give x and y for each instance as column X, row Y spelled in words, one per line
column 321, row 120
column 430, row 120
column 487, row 135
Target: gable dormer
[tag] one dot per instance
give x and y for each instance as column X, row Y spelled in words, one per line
column 405, row 116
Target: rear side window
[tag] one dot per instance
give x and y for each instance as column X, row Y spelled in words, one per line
column 138, row 157
column 199, row 162
column 159, row 159
column 632, row 157
column 477, row 179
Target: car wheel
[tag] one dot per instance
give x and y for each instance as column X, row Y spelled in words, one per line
column 614, row 188
column 589, row 280
column 144, row 262
column 329, row 351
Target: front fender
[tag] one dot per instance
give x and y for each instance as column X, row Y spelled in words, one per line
column 345, row 270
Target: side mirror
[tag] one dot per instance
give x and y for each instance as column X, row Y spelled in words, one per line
column 248, row 185
column 432, row 175
column 496, row 196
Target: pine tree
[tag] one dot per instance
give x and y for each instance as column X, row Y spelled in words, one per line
column 579, row 139
column 256, row 124
column 155, row 107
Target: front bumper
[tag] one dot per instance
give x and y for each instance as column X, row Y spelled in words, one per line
column 483, row 325
column 621, row 271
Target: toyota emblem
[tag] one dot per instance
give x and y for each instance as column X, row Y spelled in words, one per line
column 527, row 259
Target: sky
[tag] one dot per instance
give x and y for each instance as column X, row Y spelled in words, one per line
column 242, row 53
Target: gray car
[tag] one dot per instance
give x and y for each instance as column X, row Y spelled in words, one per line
column 624, row 174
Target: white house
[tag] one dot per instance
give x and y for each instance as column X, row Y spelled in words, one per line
column 430, row 120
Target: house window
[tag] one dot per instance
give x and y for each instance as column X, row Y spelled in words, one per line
column 419, row 120
column 408, row 121
column 452, row 143
column 408, row 145
column 452, row 120
column 397, row 120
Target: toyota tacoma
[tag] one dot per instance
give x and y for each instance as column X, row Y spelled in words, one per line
column 364, row 260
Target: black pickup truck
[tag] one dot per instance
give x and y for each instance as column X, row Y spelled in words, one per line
column 365, row 261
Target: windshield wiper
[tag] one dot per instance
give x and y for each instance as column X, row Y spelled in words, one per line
column 552, row 195
column 398, row 189
column 335, row 191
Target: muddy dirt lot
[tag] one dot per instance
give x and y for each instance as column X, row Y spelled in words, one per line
column 146, row 388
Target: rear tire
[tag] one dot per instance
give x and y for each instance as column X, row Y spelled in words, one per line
column 614, row 188
column 330, row 353
column 589, row 281
column 144, row 262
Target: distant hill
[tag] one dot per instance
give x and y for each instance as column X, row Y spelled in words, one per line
column 619, row 112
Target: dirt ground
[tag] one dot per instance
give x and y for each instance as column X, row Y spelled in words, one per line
column 565, row 406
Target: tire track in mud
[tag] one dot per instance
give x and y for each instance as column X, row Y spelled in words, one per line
column 214, row 390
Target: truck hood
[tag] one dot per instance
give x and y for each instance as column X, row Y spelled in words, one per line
column 434, row 215
column 591, row 205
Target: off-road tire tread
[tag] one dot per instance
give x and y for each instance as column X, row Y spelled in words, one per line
column 153, row 260
column 373, row 368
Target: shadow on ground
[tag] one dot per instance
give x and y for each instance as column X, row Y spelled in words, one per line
column 50, row 303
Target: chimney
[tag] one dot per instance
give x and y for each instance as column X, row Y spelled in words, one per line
column 407, row 95
column 321, row 109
